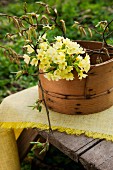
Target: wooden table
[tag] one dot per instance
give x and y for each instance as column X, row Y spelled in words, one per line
column 91, row 153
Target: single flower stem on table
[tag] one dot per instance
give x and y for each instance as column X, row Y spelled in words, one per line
column 46, row 107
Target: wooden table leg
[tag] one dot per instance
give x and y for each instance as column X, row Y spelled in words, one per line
column 23, row 142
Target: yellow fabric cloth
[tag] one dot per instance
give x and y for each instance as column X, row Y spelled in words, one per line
column 17, row 132
column 9, row 159
column 16, row 113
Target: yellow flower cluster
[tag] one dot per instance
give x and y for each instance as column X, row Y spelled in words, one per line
column 58, row 60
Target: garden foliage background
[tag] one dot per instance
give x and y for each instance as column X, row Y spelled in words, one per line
column 90, row 12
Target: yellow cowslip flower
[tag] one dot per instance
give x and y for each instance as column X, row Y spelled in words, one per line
column 66, row 41
column 26, row 58
column 34, row 62
column 43, row 45
column 79, row 58
column 57, row 72
column 74, row 48
column 71, row 51
column 85, row 63
column 55, row 77
column 65, row 72
column 39, row 57
column 41, row 54
column 62, row 57
column 59, row 38
column 69, row 76
column 59, row 58
column 29, row 49
column 80, row 50
column 51, row 76
column 61, row 50
column 57, row 45
column 45, row 62
column 51, row 52
column 82, row 75
column 42, row 66
column 87, row 58
column 62, row 65
column 69, row 69
column 48, row 76
column 55, row 59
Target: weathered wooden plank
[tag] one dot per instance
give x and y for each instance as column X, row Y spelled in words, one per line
column 98, row 157
column 23, row 142
column 107, row 165
column 88, row 146
column 70, row 144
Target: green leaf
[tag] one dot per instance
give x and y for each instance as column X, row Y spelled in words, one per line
column 19, row 74
column 39, row 108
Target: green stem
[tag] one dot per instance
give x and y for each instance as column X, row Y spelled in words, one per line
column 45, row 104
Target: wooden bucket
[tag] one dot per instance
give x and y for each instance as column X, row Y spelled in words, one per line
column 90, row 95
